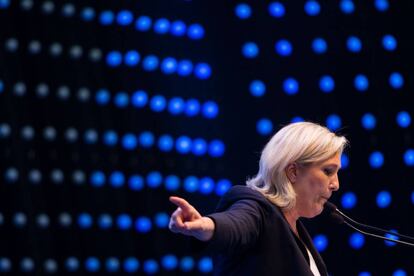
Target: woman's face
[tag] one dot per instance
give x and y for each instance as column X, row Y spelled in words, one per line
column 314, row 185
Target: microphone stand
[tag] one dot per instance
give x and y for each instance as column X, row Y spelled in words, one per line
column 340, row 217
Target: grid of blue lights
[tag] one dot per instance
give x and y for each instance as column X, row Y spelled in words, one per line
column 118, row 179
column 143, row 61
column 123, row 18
column 166, row 263
column 138, row 99
column 114, row 58
column 128, row 141
column 351, row 44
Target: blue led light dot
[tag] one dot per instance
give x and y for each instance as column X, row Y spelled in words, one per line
column 257, row 88
column 143, row 225
column 381, row 5
column 186, row 264
column 139, row 99
column 172, row 182
column 216, row 148
column 124, row 222
column 409, row 157
column 291, row 86
column 4, row 4
column 243, row 11
column 124, row 17
column 169, row 65
column 165, row 143
column 158, row 103
column 136, row 182
column 150, row 63
column 376, row 160
column 399, row 272
column 162, row 26
column 92, row 264
column 205, row 265
column 169, row 262
column 195, row 31
column 132, row 58
column 162, row 220
column 116, row 179
column 202, row 71
column 114, row 58
column 384, row 199
column 210, row 110
column 88, row 14
column 85, row 221
column 50, row 266
column 191, row 184
column 396, row 80
column 368, row 121
column 131, row 265
column 154, row 179
column 361, row 83
column 184, row 68
column 327, row 84
column 312, row 8
column 344, row 161
column 72, row 264
column 105, row 221
column 391, row 236
column 206, row 185
column 250, row 50
column 356, row 240
column 321, row 242
column 106, row 17
column 347, row 6
column 403, row 119
column 178, row 28
column 143, row 23
column 151, row 266
column 112, row 264
column 319, row 45
column 354, row 44
column 333, row 122
column 276, row 9
column 389, row 42
column 283, row 47
column 349, row 200
column 199, row 147
column 264, row 126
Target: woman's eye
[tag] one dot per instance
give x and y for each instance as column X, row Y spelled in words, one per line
column 327, row 172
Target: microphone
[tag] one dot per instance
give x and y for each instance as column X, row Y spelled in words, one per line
column 339, row 217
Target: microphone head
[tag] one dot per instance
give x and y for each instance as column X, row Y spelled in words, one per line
column 336, row 218
column 330, row 207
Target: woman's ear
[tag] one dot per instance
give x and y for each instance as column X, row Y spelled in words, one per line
column 291, row 172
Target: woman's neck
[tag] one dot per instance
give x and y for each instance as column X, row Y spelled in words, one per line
column 292, row 216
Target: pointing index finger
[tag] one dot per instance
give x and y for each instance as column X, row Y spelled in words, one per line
column 180, row 202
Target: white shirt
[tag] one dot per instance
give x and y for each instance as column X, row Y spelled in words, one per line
column 313, row 266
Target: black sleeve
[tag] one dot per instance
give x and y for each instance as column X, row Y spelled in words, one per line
column 238, row 227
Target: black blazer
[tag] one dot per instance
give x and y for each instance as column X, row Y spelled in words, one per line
column 252, row 237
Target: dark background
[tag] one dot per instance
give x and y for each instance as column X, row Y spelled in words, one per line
column 235, row 124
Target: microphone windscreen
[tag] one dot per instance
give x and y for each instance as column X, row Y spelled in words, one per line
column 330, row 207
column 336, row 218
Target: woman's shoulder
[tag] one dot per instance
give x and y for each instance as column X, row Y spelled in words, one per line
column 243, row 192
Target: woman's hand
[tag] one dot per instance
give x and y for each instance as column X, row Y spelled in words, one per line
column 188, row 221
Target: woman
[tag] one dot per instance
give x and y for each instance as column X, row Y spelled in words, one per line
column 256, row 229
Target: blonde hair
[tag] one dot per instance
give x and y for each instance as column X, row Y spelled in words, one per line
column 303, row 143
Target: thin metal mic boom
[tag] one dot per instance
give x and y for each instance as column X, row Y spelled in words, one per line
column 374, row 228
column 378, row 236
column 340, row 217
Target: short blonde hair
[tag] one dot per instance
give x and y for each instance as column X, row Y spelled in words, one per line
column 303, row 143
